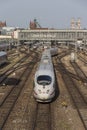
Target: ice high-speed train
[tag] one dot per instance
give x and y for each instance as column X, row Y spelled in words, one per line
column 44, row 80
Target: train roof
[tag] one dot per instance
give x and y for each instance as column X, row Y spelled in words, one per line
column 2, row 53
column 44, row 72
column 45, row 66
column 46, row 54
column 45, row 69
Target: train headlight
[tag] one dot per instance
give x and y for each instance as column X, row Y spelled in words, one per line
column 48, row 91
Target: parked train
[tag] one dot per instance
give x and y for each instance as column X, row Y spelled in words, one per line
column 4, row 47
column 3, row 57
column 54, row 51
column 44, row 80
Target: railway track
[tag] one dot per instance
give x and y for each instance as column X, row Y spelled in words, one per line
column 83, row 58
column 78, row 99
column 62, row 54
column 11, row 99
column 79, row 72
column 42, row 119
column 14, row 66
column 13, row 59
column 9, row 79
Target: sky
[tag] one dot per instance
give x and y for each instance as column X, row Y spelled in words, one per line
column 49, row 13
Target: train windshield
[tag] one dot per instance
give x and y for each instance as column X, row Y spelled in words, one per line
column 44, row 80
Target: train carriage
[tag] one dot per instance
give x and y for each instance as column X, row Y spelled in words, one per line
column 3, row 57
column 54, row 51
column 44, row 81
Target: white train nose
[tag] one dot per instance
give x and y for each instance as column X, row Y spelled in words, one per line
column 44, row 88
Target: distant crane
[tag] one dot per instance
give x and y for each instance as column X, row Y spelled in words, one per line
column 37, row 24
column 34, row 24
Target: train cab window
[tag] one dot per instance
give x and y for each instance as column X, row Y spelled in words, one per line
column 44, row 80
